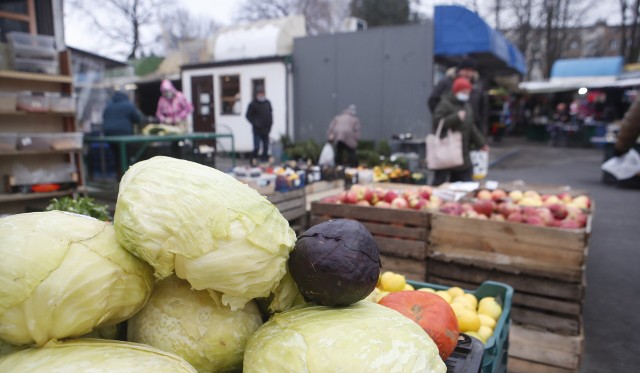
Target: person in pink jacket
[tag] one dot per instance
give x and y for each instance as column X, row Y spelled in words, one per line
column 173, row 107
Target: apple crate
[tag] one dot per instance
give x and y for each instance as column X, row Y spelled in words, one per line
column 292, row 206
column 534, row 351
column 555, row 253
column 401, row 235
column 494, row 359
column 538, row 302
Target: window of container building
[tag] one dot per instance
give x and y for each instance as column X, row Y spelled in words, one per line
column 17, row 15
column 230, row 94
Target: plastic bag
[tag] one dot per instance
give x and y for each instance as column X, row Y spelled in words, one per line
column 327, row 156
column 624, row 167
column 480, row 161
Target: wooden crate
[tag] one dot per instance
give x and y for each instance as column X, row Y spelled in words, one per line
column 511, row 247
column 537, row 302
column 401, row 235
column 533, row 351
column 292, row 206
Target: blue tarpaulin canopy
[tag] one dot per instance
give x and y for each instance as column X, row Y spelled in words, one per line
column 596, row 66
column 461, row 32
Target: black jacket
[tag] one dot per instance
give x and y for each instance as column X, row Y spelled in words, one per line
column 260, row 115
column 477, row 100
column 119, row 116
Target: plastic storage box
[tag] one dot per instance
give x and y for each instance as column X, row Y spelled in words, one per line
column 467, row 356
column 8, row 101
column 26, row 45
column 33, row 102
column 50, row 141
column 59, row 103
column 36, row 66
column 494, row 359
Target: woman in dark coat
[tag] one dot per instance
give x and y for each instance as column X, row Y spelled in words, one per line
column 455, row 112
column 118, row 119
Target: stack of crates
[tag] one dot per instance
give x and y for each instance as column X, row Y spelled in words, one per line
column 33, row 53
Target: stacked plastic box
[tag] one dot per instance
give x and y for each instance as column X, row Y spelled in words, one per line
column 33, row 53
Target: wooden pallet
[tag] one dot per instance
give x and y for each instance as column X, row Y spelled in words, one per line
column 291, row 205
column 533, row 351
column 401, row 235
column 517, row 248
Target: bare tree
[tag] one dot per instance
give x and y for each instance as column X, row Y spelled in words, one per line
column 632, row 49
column 180, row 26
column 322, row 16
column 121, row 21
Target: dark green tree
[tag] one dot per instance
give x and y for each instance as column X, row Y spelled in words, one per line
column 381, row 12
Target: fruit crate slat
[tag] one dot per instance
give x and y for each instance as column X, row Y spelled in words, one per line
column 383, row 229
column 517, row 365
column 543, row 348
column 521, row 283
column 566, row 239
column 364, row 213
column 412, row 269
column 290, row 204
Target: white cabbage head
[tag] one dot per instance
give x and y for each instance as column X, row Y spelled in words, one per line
column 94, row 355
column 191, row 325
column 363, row 337
column 212, row 230
column 64, row 274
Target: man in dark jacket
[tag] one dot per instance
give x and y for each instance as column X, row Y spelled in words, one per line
column 118, row 119
column 260, row 115
column 477, row 99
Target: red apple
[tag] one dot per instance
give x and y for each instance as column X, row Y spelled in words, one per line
column 516, row 195
column 483, row 194
column 565, row 197
column 497, row 217
column 515, row 217
column 351, row 197
column 558, row 210
column 498, row 194
column 529, row 211
column 383, row 204
column 582, row 201
column 451, row 208
column 363, row 203
column 399, row 203
column 390, row 195
column 569, row 224
column 410, row 193
column 418, row 203
column 535, row 220
column 466, row 206
column 507, row 208
column 546, row 215
column 483, row 206
column 425, row 192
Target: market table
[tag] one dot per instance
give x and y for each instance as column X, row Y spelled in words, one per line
column 145, row 140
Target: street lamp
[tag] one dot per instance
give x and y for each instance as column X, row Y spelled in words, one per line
column 582, row 91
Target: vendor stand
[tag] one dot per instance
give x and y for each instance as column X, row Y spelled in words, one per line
column 147, row 140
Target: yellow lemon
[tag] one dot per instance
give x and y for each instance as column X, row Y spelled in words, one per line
column 393, row 282
column 427, row 290
column 485, row 333
column 474, row 335
column 384, row 277
column 485, row 300
column 487, row 321
column 455, row 291
column 492, row 309
column 458, row 308
column 468, row 321
column 472, row 299
column 462, row 300
column 408, row 287
column 444, row 295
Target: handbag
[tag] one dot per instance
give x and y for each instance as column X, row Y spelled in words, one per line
column 446, row 152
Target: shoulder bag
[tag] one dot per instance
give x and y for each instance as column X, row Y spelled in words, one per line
column 446, row 152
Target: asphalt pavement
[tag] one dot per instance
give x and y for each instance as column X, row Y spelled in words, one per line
column 612, row 300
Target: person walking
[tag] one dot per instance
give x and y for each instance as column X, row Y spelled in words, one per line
column 260, row 115
column 118, row 119
column 456, row 114
column 173, row 108
column 466, row 68
column 344, row 130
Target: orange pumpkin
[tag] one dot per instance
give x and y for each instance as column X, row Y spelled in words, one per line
column 432, row 313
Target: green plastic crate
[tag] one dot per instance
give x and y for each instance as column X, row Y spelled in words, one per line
column 494, row 359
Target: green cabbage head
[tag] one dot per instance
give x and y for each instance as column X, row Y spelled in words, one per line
column 191, row 325
column 93, row 355
column 212, row 230
column 64, row 274
column 363, row 337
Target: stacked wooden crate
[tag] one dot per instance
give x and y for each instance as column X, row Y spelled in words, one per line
column 401, row 235
column 292, row 205
column 545, row 266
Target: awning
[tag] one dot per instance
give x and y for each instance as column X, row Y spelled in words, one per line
column 587, row 67
column 461, row 32
column 549, row 87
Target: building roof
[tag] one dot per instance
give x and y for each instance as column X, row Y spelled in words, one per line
column 461, row 32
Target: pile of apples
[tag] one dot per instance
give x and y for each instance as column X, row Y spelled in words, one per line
column 528, row 207
column 420, row 198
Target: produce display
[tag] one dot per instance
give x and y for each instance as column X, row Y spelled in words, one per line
column 94, row 355
column 419, row 198
column 64, row 274
column 362, row 337
column 335, row 263
column 211, row 229
column 477, row 318
column 528, row 207
column 190, row 324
